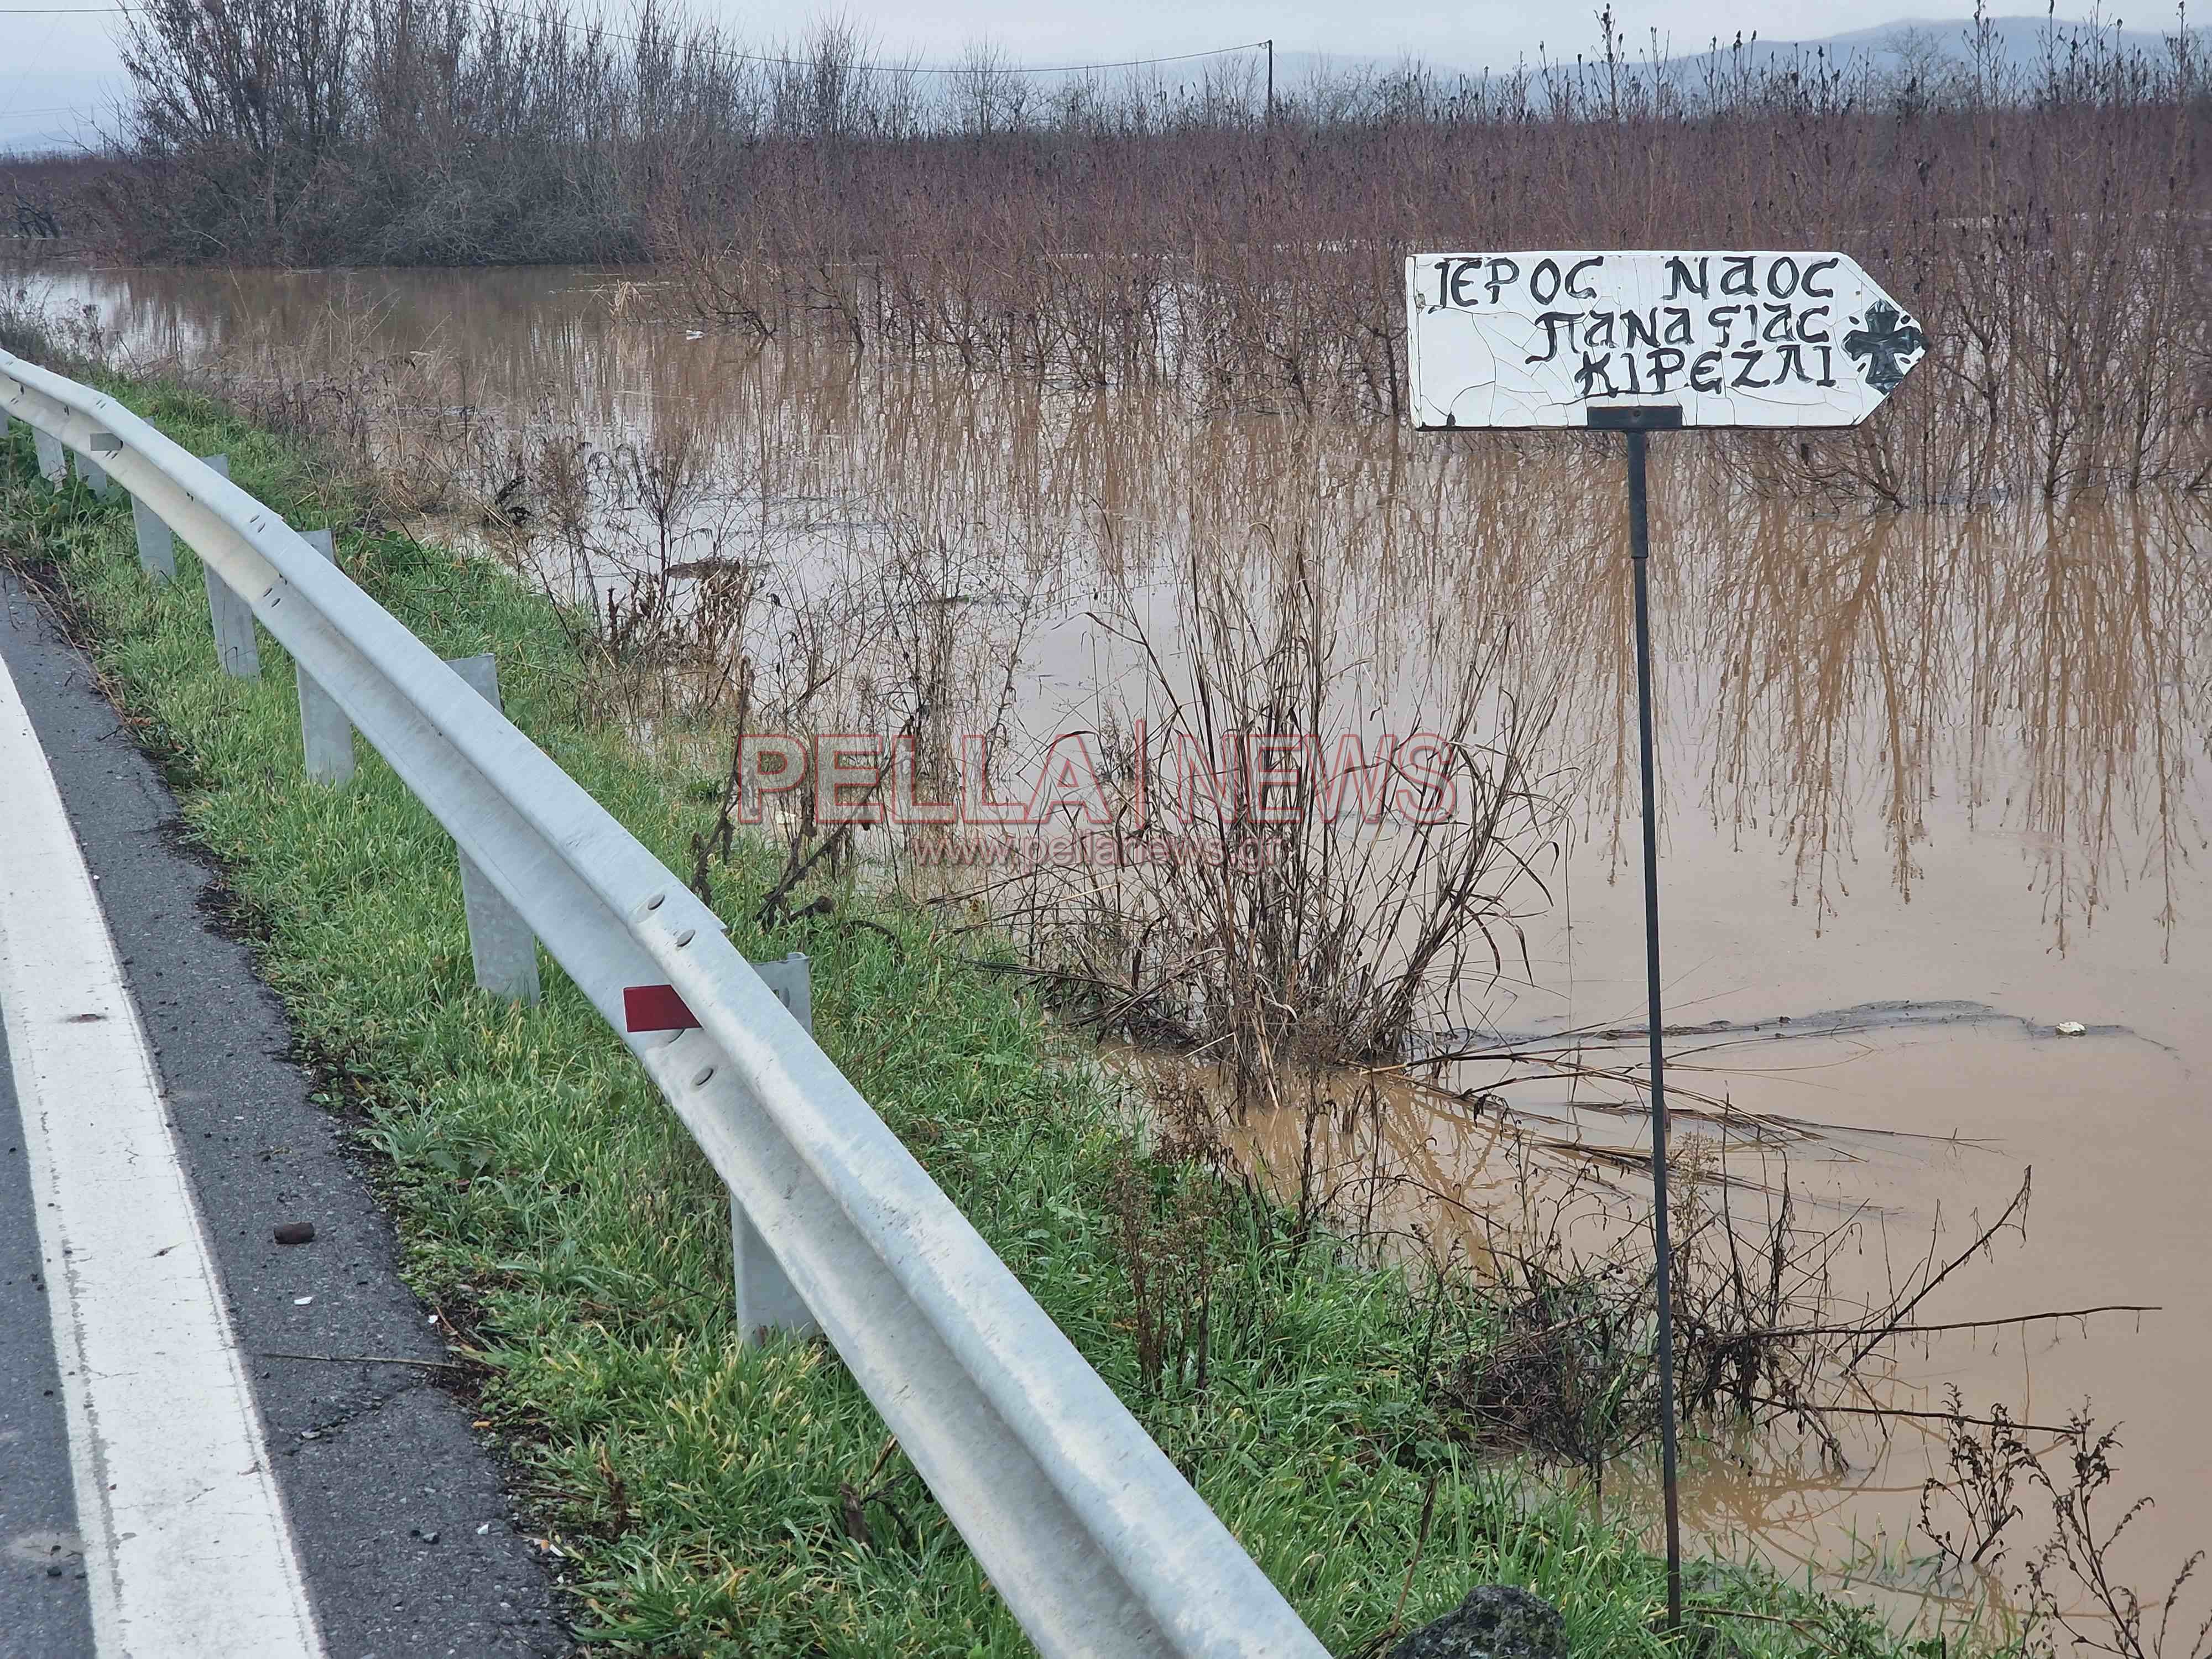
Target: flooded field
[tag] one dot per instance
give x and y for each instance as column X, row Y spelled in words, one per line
column 1935, row 780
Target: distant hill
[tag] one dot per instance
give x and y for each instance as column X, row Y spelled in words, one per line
column 1911, row 44
column 2022, row 38
column 2019, row 43
column 44, row 110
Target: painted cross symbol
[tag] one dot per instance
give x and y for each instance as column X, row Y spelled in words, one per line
column 1885, row 337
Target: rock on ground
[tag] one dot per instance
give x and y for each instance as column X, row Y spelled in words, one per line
column 1496, row 1621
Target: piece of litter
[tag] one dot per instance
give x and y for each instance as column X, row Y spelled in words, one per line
column 301, row 1301
column 484, row 1529
column 2071, row 1028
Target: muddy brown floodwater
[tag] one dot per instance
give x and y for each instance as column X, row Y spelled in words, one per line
column 1934, row 780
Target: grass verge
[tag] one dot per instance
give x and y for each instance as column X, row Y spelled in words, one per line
column 710, row 1498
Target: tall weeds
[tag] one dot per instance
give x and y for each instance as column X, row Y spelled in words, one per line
column 2046, row 227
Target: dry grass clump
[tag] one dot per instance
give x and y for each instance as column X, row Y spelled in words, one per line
column 1541, row 1316
column 2073, row 1592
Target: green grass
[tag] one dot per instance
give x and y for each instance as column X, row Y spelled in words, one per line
column 548, row 1198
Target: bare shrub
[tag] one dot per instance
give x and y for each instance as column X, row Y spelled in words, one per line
column 1285, row 890
column 1167, row 1232
column 1987, row 1459
column 2073, row 1594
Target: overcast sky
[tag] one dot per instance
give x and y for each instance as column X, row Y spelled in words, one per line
column 1472, row 35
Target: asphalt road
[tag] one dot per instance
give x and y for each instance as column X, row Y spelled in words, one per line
column 398, row 1512
column 42, row 1590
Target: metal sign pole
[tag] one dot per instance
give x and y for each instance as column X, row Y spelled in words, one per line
column 1633, row 342
column 1639, row 550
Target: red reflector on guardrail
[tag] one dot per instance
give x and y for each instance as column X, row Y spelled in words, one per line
column 655, row 1008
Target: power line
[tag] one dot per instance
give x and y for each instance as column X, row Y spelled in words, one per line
column 992, row 69
column 753, row 57
column 878, row 69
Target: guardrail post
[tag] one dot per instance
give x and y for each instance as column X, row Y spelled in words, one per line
column 325, row 734
column 767, row 1301
column 157, row 542
column 500, row 944
column 53, row 459
column 157, row 548
column 103, row 443
column 235, row 644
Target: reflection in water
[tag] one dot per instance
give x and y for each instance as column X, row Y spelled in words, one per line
column 1826, row 670
column 2006, row 707
column 2042, row 666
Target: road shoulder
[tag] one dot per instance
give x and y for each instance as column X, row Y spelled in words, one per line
column 401, row 1523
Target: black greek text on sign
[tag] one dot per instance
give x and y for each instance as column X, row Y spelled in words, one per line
column 1729, row 339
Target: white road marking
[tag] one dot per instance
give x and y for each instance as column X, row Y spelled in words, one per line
column 187, row 1552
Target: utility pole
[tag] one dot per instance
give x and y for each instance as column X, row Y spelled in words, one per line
column 1270, row 46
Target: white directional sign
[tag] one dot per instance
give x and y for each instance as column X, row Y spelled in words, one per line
column 1727, row 338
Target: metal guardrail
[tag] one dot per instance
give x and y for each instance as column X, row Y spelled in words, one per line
column 1098, row 1545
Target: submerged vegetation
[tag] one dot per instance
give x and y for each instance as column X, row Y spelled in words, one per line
column 2047, row 227
column 1372, row 1384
